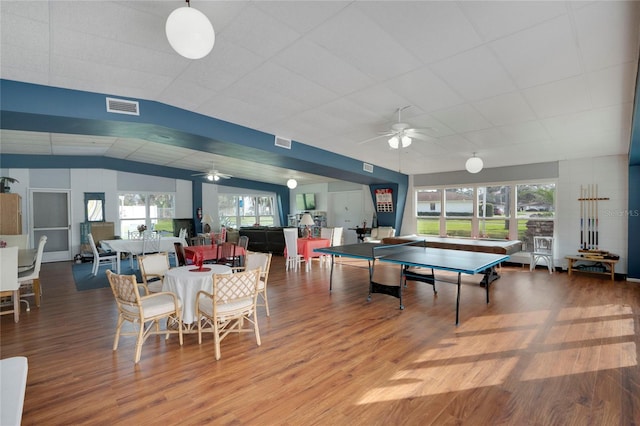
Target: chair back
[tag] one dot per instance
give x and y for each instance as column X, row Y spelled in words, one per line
column 226, row 253
column 238, row 287
column 326, row 233
column 181, row 259
column 9, row 269
column 153, row 266
column 150, row 242
column 256, row 260
column 94, row 249
column 135, row 235
column 125, row 289
column 337, row 236
column 543, row 245
column 291, row 241
column 243, row 242
column 36, row 268
column 183, row 234
column 222, row 236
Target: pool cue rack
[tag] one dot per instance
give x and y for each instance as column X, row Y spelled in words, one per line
column 589, row 219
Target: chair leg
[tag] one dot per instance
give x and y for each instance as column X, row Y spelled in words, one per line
column 266, row 301
column 36, row 291
column 118, row 329
column 139, row 342
column 16, row 305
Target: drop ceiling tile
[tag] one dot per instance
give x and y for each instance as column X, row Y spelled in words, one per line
column 529, row 132
column 260, row 33
column 425, row 90
column 301, row 16
column 505, row 109
column 475, row 74
column 488, row 138
column 541, row 54
column 601, row 47
column 495, row 19
column 349, row 34
column 319, row 65
column 586, row 123
column 462, row 118
column 558, row 98
column 613, row 85
column 429, row 30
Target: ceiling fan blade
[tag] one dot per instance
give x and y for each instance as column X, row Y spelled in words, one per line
column 375, row 137
column 420, row 136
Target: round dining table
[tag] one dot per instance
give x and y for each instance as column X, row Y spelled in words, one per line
column 186, row 281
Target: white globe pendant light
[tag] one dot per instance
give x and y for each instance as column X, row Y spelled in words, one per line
column 292, row 183
column 474, row 164
column 190, row 32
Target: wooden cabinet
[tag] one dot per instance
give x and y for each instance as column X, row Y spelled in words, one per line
column 10, row 214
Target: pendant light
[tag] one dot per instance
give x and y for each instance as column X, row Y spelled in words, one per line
column 190, row 32
column 474, row 164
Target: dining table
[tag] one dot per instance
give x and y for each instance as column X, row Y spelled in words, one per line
column 186, row 281
column 198, row 254
column 306, row 247
column 135, row 247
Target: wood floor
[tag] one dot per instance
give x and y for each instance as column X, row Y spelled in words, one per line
column 546, row 351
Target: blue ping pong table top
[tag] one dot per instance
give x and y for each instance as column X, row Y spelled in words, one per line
column 466, row 262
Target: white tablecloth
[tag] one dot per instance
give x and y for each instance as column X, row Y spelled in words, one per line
column 185, row 284
column 135, row 246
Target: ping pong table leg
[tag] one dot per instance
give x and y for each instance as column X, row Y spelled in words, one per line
column 458, row 301
column 331, row 274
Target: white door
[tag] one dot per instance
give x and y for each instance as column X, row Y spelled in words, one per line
column 50, row 214
column 346, row 211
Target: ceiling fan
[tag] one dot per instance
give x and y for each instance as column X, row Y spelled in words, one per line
column 213, row 174
column 401, row 134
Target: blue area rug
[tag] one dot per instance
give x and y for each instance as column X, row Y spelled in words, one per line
column 85, row 280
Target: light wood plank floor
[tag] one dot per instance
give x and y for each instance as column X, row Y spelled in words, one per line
column 546, row 351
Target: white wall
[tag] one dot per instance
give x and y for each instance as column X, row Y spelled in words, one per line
column 611, row 175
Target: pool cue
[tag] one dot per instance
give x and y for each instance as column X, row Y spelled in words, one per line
column 590, row 216
column 581, row 217
column 596, row 207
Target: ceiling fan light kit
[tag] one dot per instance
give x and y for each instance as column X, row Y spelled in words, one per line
column 190, row 32
column 474, row 164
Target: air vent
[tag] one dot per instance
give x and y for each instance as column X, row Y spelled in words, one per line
column 367, row 167
column 122, row 106
column 283, row 143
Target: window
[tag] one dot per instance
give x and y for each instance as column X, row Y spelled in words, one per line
column 510, row 211
column 246, row 210
column 155, row 211
column 536, row 212
column 429, row 208
column 493, row 211
column 94, row 206
column 458, row 203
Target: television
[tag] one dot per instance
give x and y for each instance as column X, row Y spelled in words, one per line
column 306, row 202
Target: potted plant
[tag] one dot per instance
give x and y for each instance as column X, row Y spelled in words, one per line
column 4, row 183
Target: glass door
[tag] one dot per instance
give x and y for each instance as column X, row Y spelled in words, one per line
column 50, row 215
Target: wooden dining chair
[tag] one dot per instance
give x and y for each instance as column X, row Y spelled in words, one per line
column 226, row 254
column 231, row 308
column 181, row 258
column 144, row 312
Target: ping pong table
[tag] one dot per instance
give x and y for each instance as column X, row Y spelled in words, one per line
column 408, row 255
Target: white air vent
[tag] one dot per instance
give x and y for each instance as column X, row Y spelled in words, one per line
column 122, row 106
column 283, row 143
column 367, row 167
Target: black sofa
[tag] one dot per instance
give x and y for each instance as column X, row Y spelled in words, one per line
column 264, row 239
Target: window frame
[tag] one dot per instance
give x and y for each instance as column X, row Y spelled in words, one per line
column 476, row 219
